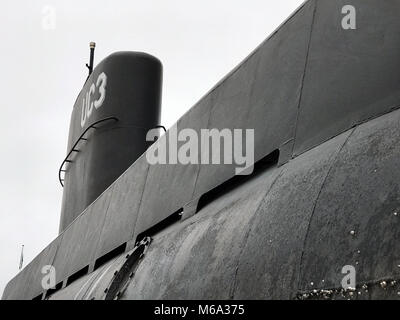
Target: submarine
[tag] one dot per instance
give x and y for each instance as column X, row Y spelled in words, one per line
column 323, row 193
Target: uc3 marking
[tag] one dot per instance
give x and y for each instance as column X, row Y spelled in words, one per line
column 87, row 104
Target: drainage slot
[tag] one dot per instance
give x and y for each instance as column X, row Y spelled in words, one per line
column 109, row 256
column 175, row 217
column 54, row 290
column 78, row 275
column 39, row 297
column 260, row 166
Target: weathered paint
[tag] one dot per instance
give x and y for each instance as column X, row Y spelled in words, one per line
column 295, row 96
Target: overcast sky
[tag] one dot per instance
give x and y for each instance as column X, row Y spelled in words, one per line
column 42, row 69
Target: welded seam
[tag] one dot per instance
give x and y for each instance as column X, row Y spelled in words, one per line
column 52, row 262
column 213, row 102
column 303, row 77
column 88, row 282
column 356, row 124
column 247, row 235
column 252, row 88
column 56, row 253
column 140, row 202
column 102, row 228
column 334, row 159
column 249, row 56
column 96, row 283
column 199, row 166
column 104, row 223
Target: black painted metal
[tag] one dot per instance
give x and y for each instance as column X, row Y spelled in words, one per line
column 90, row 65
column 129, row 86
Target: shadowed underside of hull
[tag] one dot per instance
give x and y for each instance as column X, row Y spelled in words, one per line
column 323, row 104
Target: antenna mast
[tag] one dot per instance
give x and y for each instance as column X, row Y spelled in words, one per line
column 92, row 45
column 21, row 260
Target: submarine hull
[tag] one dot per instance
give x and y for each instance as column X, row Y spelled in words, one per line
column 324, row 105
column 283, row 234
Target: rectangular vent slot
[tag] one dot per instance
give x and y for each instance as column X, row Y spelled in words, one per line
column 175, row 217
column 52, row 291
column 260, row 166
column 110, row 255
column 78, row 275
column 39, row 297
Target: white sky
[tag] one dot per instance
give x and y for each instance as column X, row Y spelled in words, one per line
column 42, row 72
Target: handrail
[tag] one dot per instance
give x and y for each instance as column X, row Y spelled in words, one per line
column 66, row 160
column 160, row 127
column 92, row 126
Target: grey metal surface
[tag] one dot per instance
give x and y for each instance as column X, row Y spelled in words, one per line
column 262, row 94
column 283, row 234
column 93, row 285
column 27, row 284
column 361, row 196
column 120, row 221
column 107, row 281
column 289, row 227
column 351, row 75
column 289, row 82
column 257, row 241
column 181, row 177
column 86, row 231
